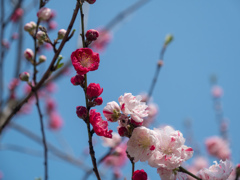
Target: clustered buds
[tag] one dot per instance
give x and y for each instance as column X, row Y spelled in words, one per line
column 30, row 27
column 41, row 36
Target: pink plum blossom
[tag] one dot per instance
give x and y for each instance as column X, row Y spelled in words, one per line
column 142, row 144
column 169, row 174
column 55, row 121
column 85, row 60
column 112, row 111
column 139, row 175
column 116, row 139
column 171, row 152
column 132, row 105
column 17, row 14
column 217, row 92
column 218, row 147
column 102, row 41
column 219, row 171
column 118, row 157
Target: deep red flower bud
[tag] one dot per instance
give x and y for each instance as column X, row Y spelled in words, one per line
column 98, row 101
column 94, row 90
column 77, row 80
column 122, row 131
column 92, row 35
column 91, row 1
column 139, row 175
column 81, row 112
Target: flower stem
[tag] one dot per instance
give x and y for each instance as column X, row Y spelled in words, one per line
column 91, row 150
column 181, row 169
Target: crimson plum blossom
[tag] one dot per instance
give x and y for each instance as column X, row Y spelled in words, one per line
column 85, row 60
column 77, row 80
column 94, row 90
column 100, row 126
column 81, row 112
column 92, row 35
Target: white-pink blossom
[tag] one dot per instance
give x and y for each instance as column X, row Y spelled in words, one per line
column 142, row 144
column 112, row 111
column 171, row 152
column 219, row 171
column 169, row 174
column 218, row 147
column 112, row 142
column 132, row 105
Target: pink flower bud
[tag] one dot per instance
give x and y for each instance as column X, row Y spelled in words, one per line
column 24, row 76
column 28, row 53
column 41, row 36
column 92, row 35
column 94, row 90
column 91, row 1
column 78, row 80
column 122, row 131
column 81, row 112
column 42, row 58
column 30, row 26
column 55, row 121
column 139, row 175
column 98, row 101
column 44, row 13
column 61, row 33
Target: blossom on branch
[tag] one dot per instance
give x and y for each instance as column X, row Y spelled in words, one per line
column 139, row 175
column 85, row 60
column 112, row 111
column 100, row 126
column 171, row 152
column 219, row 171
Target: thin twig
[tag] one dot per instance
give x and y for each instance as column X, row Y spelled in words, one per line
column 43, row 137
column 122, row 15
column 66, row 157
column 46, row 74
column 181, row 169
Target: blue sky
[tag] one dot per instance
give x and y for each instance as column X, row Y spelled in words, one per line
column 206, row 42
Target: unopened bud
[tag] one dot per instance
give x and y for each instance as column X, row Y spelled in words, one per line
column 30, row 26
column 122, row 131
column 44, row 13
column 92, row 35
column 42, row 58
column 168, row 39
column 82, row 112
column 91, row 1
column 98, row 101
column 28, row 53
column 41, row 36
column 24, row 76
column 78, row 80
column 61, row 33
